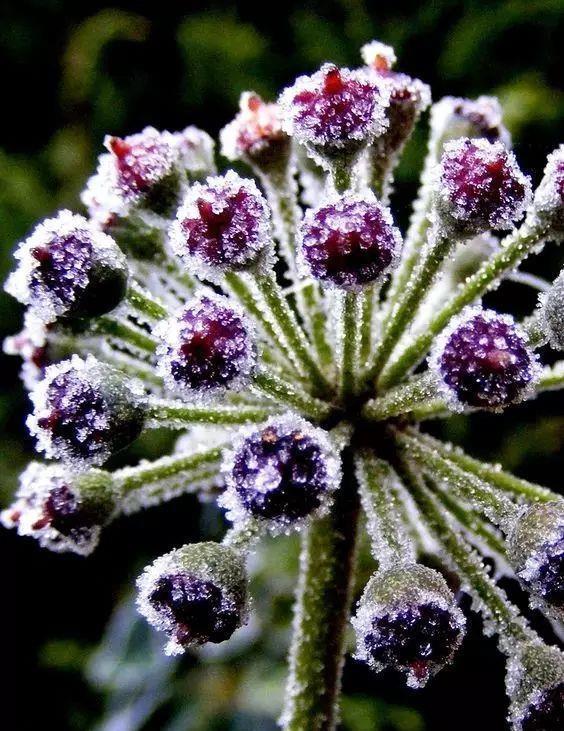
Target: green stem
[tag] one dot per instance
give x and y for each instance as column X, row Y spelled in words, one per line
column 402, row 399
column 321, row 614
column 285, row 393
column 369, row 300
column 341, row 175
column 176, row 415
column 125, row 332
column 316, row 323
column 512, row 251
column 350, row 323
column 144, row 303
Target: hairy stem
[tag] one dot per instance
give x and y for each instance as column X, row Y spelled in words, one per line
column 176, row 415
column 402, row 399
column 350, row 321
column 271, row 385
column 144, row 303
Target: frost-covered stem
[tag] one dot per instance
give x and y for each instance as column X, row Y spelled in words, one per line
column 552, row 377
column 144, row 303
column 271, row 385
column 369, row 300
column 296, row 342
column 496, row 506
column 321, row 614
column 405, row 310
column 341, row 176
column 529, row 280
column 130, row 366
column 317, row 329
column 402, row 399
column 491, row 473
column 125, row 332
column 489, row 598
column 130, row 479
column 381, row 167
column 243, row 536
column 391, row 544
column 512, row 251
column 175, row 414
column 534, row 329
column 350, row 326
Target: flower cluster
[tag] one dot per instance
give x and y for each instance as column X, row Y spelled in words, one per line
column 279, row 322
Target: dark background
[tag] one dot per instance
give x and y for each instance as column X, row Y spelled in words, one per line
column 74, row 71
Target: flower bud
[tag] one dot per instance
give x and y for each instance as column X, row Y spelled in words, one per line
column 453, row 117
column 536, row 552
column 483, row 360
column 407, row 620
column 85, row 411
column 223, row 225
column 552, row 313
column 197, row 153
column 68, row 269
column 280, row 474
column 334, row 112
column 535, row 685
column 207, row 348
column 144, row 170
column 349, row 242
column 256, row 136
column 63, row 511
column 480, row 187
column 548, row 206
column 196, row 594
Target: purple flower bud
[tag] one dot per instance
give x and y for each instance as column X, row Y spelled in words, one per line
column 335, row 111
column 207, row 348
column 223, row 225
column 548, row 204
column 536, row 551
column 281, row 474
column 483, row 360
column 454, row 117
column 85, row 411
column 196, row 594
column 68, row 269
column 64, row 512
column 349, row 242
column 407, row 620
column 480, row 187
column 256, row 135
column 552, row 313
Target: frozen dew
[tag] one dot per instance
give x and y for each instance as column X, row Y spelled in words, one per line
column 206, row 348
column 280, row 474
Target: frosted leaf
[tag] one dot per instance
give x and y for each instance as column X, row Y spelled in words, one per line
column 282, row 474
column 222, row 225
column 61, row 510
column 206, row 348
column 68, row 268
column 195, row 594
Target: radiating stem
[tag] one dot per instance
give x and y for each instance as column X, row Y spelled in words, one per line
column 402, row 399
column 176, row 415
column 144, row 303
column 350, row 325
column 512, row 251
column 321, row 614
column 369, row 299
column 283, row 392
column 124, row 331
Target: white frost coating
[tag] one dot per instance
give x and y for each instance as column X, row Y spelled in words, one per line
column 284, row 424
column 47, row 306
column 197, row 151
column 101, row 197
column 25, row 344
column 468, row 313
column 551, row 313
column 253, row 128
column 214, row 191
column 378, row 54
column 484, row 112
column 548, row 205
column 170, row 334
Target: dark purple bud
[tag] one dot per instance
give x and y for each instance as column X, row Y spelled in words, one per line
column 207, row 348
column 480, row 187
column 483, row 360
column 85, row 411
column 196, row 594
column 69, row 269
column 335, row 111
column 62, row 510
column 548, row 204
column 281, row 473
column 407, row 620
column 349, row 242
column 223, row 225
column 536, row 551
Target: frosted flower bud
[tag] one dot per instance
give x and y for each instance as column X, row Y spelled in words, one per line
column 62, row 510
column 536, row 551
column 207, row 348
column 552, row 313
column 334, row 111
column 195, row 594
column 85, row 411
column 256, row 135
column 280, row 474
column 548, row 204
column 68, row 269
column 407, row 620
column 35, row 349
column 378, row 56
column 145, row 169
column 483, row 360
column 197, row 152
column 480, row 187
column 454, row 117
column 535, row 685
column 349, row 242
column 222, row 225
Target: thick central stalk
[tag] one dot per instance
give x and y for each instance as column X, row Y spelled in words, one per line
column 321, row 614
